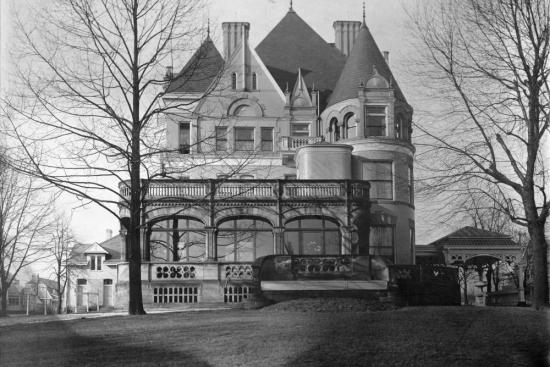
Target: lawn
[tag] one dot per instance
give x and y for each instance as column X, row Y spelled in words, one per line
column 429, row 336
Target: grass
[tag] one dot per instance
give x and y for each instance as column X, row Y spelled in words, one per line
column 430, row 336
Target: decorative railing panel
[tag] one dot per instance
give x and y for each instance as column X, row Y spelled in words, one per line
column 175, row 271
column 314, row 190
column 236, row 272
column 242, row 189
column 289, row 143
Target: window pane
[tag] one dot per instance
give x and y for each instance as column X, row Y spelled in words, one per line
column 377, row 171
column 292, row 243
column 264, row 243
column 299, row 129
column 245, row 247
column 381, row 190
column 312, row 243
column 376, row 110
column 244, row 138
column 92, row 263
column 332, row 243
column 381, row 236
column 221, row 138
column 267, row 138
column 185, row 137
column 226, row 246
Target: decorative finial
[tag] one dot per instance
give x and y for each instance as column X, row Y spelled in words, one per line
column 364, row 22
column 290, row 6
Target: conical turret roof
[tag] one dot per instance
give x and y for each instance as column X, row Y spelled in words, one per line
column 360, row 66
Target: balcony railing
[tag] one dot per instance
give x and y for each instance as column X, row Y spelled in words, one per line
column 261, row 190
column 291, row 143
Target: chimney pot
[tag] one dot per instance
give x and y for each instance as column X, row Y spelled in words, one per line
column 109, row 233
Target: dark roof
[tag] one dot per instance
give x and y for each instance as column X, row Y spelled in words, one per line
column 200, row 71
column 112, row 245
column 474, row 236
column 359, row 67
column 293, row 44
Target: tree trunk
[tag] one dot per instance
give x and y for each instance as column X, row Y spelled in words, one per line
column 540, row 263
column 4, row 296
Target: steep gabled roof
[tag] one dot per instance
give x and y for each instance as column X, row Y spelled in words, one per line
column 293, row 44
column 199, row 72
column 359, row 67
column 110, row 247
column 474, row 236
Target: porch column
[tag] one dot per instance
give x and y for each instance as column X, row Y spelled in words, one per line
column 278, row 240
column 211, row 253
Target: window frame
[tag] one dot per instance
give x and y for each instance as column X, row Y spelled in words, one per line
column 301, row 132
column 254, row 81
column 244, row 145
column 383, row 127
column 302, row 229
column 184, row 147
column 392, row 245
column 234, row 231
column 373, row 182
column 220, row 135
column 265, row 142
column 234, row 81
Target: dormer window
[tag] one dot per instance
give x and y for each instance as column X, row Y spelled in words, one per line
column 95, row 262
column 375, row 124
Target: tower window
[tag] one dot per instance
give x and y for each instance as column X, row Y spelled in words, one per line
column 375, row 120
column 299, row 129
column 381, row 240
column 380, row 176
column 184, row 138
column 350, row 125
column 254, row 82
column 410, row 185
column 234, row 81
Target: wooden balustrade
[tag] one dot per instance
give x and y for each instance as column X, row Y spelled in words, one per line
column 289, row 143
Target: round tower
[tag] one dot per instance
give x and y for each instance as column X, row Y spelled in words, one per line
column 368, row 111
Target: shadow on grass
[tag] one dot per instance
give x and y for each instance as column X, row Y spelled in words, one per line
column 60, row 344
column 449, row 337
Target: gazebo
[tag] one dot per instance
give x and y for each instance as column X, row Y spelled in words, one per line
column 479, row 249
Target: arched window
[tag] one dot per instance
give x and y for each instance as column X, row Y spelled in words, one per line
column 254, row 82
column 244, row 239
column 177, row 239
column 312, row 236
column 350, row 124
column 334, row 130
column 234, row 81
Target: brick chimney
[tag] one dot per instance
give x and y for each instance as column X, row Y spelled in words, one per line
column 233, row 34
column 345, row 32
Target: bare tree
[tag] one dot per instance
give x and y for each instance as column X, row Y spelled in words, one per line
column 24, row 220
column 91, row 91
column 488, row 63
column 60, row 245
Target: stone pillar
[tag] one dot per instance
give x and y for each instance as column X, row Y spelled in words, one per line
column 211, row 253
column 278, row 240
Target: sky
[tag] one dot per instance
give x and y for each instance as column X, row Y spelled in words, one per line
column 386, row 20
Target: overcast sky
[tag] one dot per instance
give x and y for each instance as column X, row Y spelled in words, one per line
column 385, row 18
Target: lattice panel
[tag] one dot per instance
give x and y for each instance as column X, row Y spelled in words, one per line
column 176, row 295
column 235, row 294
column 176, row 272
column 238, row 272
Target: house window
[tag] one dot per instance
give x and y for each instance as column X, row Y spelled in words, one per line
column 381, row 240
column 410, row 184
column 375, row 121
column 267, row 139
column 244, row 239
column 334, row 130
column 221, row 138
column 81, row 282
column 95, row 262
column 380, row 176
column 13, row 301
column 184, row 138
column 244, row 138
column 299, row 130
column 312, row 236
column 290, row 176
column 107, row 282
column 234, row 81
column 254, row 81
